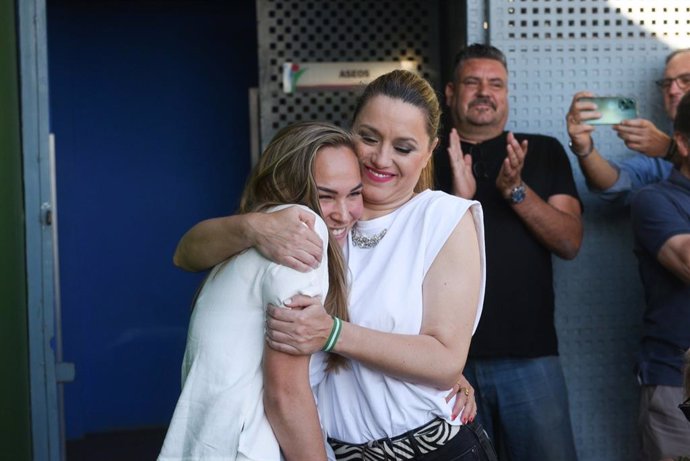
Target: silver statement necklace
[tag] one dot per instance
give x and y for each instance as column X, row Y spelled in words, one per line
column 363, row 241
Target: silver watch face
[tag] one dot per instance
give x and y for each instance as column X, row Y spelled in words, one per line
column 517, row 195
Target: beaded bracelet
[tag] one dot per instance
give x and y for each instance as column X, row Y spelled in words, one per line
column 335, row 333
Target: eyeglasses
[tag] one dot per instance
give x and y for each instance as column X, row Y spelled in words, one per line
column 685, row 408
column 683, row 82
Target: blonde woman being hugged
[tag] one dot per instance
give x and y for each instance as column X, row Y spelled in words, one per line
column 240, row 400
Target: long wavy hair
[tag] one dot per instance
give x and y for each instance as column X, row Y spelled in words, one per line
column 412, row 89
column 285, row 174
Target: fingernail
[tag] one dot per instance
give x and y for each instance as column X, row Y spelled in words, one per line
column 452, row 417
column 288, row 301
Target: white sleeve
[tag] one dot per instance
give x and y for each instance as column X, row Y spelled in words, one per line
column 281, row 282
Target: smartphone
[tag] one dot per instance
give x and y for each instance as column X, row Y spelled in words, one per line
column 613, row 109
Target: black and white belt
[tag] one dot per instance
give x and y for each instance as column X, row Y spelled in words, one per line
column 416, row 442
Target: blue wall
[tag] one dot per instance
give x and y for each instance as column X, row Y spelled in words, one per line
column 149, row 107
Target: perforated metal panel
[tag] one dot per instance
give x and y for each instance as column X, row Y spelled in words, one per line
column 343, row 31
column 554, row 49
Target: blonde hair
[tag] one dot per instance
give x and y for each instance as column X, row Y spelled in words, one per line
column 285, row 174
column 412, row 89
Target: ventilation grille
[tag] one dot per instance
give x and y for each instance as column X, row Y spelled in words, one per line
column 596, row 20
column 558, row 47
column 336, row 31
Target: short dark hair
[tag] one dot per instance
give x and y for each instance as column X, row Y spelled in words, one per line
column 478, row 51
column 681, row 124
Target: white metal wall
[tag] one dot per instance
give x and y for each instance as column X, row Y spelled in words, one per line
column 554, row 49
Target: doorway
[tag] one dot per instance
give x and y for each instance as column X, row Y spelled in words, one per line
column 148, row 105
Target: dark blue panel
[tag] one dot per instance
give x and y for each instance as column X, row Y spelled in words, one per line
column 149, row 108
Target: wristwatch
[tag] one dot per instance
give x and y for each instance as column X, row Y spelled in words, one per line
column 517, row 194
column 578, row 154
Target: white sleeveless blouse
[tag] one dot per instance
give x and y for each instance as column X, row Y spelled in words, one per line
column 360, row 404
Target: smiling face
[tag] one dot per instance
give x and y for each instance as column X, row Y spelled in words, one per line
column 478, row 99
column 677, row 66
column 393, row 147
column 336, row 172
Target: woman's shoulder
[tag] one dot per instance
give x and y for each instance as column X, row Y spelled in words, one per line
column 436, row 200
column 440, row 212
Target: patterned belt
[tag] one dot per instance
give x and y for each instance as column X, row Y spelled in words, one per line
column 409, row 445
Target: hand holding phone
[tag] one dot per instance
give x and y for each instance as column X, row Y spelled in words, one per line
column 613, row 109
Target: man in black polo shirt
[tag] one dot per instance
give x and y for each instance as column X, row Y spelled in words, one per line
column 531, row 210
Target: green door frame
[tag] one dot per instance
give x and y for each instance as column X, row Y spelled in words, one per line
column 38, row 201
column 15, row 406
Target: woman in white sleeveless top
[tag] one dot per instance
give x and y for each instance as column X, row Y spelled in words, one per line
column 417, row 262
column 232, row 385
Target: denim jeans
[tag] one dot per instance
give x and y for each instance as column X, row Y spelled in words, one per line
column 525, row 403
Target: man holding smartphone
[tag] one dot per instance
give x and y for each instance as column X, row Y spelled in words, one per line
column 661, row 224
column 614, row 181
column 666, row 317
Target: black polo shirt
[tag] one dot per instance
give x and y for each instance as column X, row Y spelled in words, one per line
column 518, row 315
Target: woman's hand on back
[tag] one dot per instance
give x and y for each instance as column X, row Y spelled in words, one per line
column 302, row 329
column 287, row 237
column 465, row 402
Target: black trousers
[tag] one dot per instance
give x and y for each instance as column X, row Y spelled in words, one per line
column 471, row 444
